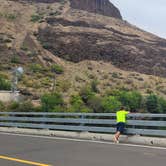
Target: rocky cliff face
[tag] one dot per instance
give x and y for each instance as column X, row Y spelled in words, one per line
column 77, row 35
column 103, row 7
column 102, row 38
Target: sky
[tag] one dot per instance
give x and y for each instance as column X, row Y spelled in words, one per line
column 149, row 15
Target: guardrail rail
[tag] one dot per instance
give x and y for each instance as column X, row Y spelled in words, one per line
column 142, row 124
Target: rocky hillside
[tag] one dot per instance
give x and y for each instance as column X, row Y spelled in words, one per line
column 104, row 7
column 87, row 37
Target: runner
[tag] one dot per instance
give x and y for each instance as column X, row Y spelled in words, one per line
column 121, row 121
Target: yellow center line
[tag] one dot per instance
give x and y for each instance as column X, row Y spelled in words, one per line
column 23, row 161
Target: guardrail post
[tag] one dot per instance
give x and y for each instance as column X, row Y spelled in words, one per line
column 82, row 117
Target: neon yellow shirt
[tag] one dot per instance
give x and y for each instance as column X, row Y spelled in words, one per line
column 121, row 116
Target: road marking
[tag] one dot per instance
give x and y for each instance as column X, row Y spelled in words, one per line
column 23, row 161
column 87, row 141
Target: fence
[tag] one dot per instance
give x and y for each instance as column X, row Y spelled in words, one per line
column 142, row 124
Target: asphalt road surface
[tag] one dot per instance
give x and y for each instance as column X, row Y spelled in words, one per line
column 24, row 150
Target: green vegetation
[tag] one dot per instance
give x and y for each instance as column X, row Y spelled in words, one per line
column 8, row 16
column 111, row 104
column 57, row 69
column 50, row 102
column 15, row 59
column 36, row 18
column 87, row 99
column 4, row 84
column 36, row 68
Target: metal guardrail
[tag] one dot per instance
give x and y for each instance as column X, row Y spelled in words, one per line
column 143, row 124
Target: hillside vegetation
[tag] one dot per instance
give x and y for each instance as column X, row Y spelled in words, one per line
column 64, row 48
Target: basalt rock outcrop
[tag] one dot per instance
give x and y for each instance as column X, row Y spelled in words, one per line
column 104, row 7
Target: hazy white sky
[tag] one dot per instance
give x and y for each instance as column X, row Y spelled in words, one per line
column 149, row 15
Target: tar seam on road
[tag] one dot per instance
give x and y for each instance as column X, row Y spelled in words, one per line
column 87, row 141
column 23, row 161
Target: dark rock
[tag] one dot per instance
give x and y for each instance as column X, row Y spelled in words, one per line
column 104, row 7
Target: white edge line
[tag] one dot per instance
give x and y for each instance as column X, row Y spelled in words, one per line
column 87, row 141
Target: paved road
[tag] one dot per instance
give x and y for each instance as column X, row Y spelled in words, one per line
column 67, row 152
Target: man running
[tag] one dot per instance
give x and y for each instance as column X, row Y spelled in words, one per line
column 121, row 121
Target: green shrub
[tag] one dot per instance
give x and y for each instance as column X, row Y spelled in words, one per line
column 115, row 75
column 57, row 69
column 111, row 104
column 15, row 59
column 162, row 105
column 36, row 18
column 2, row 106
column 94, row 87
column 152, row 104
column 86, row 110
column 132, row 100
column 8, row 16
column 95, row 103
column 4, row 84
column 24, row 48
column 25, row 106
column 86, row 93
column 76, row 103
column 58, row 108
column 50, row 101
column 63, row 85
column 36, row 68
column 13, row 106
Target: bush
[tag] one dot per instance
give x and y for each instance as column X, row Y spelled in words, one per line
column 15, row 59
column 115, row 75
column 63, row 85
column 4, row 84
column 57, row 69
column 50, row 101
column 2, row 106
column 58, row 108
column 94, row 87
column 25, row 106
column 10, row 16
column 130, row 99
column 95, row 103
column 152, row 104
column 86, row 93
column 76, row 103
column 111, row 104
column 36, row 68
column 86, row 110
column 36, row 18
